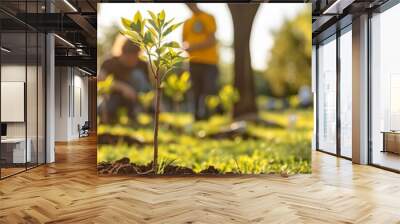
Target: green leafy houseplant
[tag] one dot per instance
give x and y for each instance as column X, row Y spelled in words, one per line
column 163, row 56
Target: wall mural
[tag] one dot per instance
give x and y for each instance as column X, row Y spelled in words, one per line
column 204, row 89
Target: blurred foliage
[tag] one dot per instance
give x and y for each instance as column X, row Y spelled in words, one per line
column 146, row 99
column 122, row 114
column 175, row 86
column 289, row 65
column 227, row 97
column 104, row 87
column 275, row 150
column 212, row 102
column 263, row 101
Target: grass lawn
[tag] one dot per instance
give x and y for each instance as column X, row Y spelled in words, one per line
column 185, row 143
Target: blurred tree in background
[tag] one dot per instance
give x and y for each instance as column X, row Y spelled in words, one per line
column 105, row 44
column 243, row 79
column 289, row 65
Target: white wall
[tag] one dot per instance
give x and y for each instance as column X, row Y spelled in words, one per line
column 71, row 94
column 16, row 73
column 12, row 73
column 61, row 103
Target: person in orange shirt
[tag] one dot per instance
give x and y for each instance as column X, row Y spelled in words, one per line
column 200, row 43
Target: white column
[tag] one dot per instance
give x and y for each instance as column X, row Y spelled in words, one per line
column 314, row 91
column 50, row 98
column 360, row 89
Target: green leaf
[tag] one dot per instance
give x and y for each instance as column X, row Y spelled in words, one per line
column 154, row 24
column 152, row 15
column 138, row 17
column 131, row 35
column 154, row 21
column 168, row 22
column 161, row 17
column 172, row 44
column 152, row 30
column 171, row 28
column 157, row 62
column 148, row 40
column 185, row 76
column 126, row 23
column 135, row 27
column 161, row 50
column 177, row 61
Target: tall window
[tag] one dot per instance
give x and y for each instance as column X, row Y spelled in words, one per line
column 346, row 92
column 327, row 95
column 385, row 87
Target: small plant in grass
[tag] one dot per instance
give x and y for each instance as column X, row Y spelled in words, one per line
column 176, row 86
column 146, row 98
column 226, row 98
column 163, row 56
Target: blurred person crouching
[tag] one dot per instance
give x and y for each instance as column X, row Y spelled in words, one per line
column 130, row 76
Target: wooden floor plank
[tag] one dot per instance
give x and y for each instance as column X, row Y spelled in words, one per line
column 69, row 191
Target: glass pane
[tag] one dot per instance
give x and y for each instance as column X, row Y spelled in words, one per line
column 31, row 97
column 13, row 86
column 386, row 89
column 41, row 98
column 327, row 96
column 346, row 94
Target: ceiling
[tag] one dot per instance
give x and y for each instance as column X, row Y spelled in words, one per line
column 74, row 22
column 330, row 15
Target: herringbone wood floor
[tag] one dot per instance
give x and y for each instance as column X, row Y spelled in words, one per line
column 70, row 191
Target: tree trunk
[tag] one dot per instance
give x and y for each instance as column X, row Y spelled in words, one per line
column 243, row 17
column 156, row 118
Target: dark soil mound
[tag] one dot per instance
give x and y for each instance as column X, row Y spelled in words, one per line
column 125, row 167
column 177, row 170
column 122, row 166
column 210, row 170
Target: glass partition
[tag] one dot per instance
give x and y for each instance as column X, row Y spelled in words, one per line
column 14, row 153
column 22, row 88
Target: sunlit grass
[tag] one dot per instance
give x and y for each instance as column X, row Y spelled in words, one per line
column 275, row 150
